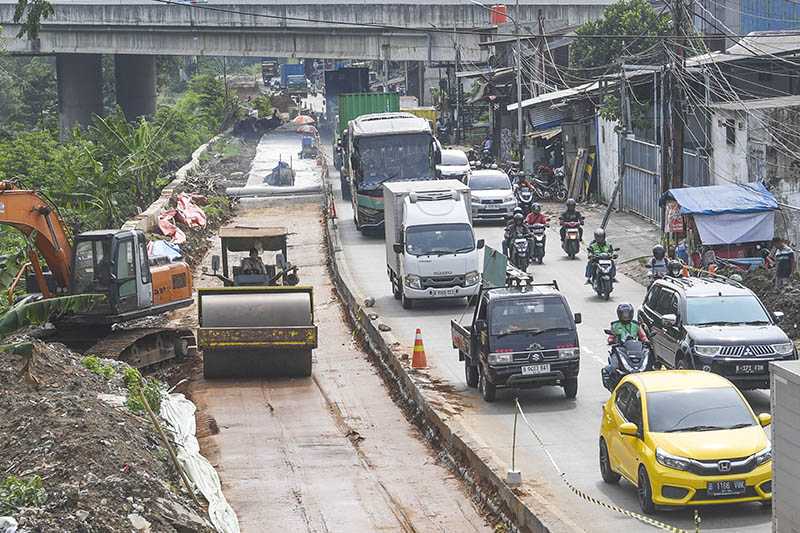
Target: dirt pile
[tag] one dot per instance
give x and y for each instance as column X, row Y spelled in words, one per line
column 786, row 299
column 102, row 468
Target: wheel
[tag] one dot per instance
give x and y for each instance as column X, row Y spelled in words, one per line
column 571, row 255
column 683, row 364
column 304, row 364
column 471, row 373
column 561, row 195
column 407, row 303
column 397, row 290
column 609, row 476
column 570, row 388
column 488, row 389
column 606, row 295
column 645, row 492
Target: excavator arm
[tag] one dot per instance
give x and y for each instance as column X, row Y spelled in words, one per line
column 31, row 213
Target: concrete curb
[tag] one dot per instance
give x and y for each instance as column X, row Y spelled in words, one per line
column 147, row 221
column 481, row 473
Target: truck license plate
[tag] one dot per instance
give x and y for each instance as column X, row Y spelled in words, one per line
column 732, row 487
column 444, row 292
column 536, row 369
column 750, row 369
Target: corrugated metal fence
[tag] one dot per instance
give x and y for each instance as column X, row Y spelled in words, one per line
column 642, row 186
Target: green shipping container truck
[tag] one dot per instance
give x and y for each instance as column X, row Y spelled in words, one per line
column 352, row 106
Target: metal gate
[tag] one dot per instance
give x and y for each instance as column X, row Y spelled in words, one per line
column 641, row 188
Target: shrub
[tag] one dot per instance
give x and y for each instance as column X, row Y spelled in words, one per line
column 16, row 492
column 93, row 364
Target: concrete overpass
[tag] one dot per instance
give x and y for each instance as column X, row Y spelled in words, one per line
column 138, row 30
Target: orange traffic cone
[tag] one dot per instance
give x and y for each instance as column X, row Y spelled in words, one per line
column 418, row 359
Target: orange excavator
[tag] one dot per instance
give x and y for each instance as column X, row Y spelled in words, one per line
column 111, row 262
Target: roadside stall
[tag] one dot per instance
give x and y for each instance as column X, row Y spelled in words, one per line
column 732, row 224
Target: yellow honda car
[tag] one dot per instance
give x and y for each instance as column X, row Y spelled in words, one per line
column 685, row 438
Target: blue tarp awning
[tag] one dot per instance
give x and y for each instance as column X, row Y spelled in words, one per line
column 722, row 199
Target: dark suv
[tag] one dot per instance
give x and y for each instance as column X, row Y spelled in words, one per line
column 716, row 325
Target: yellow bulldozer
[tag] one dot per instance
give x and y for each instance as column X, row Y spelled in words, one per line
column 261, row 322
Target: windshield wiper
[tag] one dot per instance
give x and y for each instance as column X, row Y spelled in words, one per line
column 740, row 426
column 467, row 249
column 439, row 252
column 695, row 428
column 718, row 323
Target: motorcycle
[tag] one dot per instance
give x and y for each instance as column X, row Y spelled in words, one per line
column 603, row 275
column 525, row 199
column 549, row 190
column 538, row 240
column 632, row 356
column 572, row 238
column 520, row 253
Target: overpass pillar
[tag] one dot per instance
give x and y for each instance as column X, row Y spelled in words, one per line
column 136, row 85
column 80, row 93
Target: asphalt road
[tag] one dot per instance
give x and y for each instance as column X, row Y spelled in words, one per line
column 568, row 429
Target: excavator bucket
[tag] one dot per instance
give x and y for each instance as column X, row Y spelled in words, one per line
column 256, row 331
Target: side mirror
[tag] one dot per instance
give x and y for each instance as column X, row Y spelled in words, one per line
column 778, row 316
column 616, row 249
column 215, row 263
column 669, row 320
column 765, row 419
column 480, row 244
column 629, row 429
column 578, row 318
column 608, row 332
column 398, row 248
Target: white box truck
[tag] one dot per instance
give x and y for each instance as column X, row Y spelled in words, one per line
column 431, row 251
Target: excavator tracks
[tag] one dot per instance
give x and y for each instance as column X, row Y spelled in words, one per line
column 139, row 347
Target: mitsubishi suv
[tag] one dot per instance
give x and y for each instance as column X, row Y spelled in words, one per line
column 716, row 325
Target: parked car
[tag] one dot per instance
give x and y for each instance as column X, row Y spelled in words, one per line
column 454, row 166
column 492, row 195
column 716, row 325
column 685, row 438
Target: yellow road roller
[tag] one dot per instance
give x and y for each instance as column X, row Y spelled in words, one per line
column 252, row 327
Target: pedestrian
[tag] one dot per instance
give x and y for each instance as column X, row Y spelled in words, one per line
column 783, row 255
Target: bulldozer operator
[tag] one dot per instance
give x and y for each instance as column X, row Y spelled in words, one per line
column 253, row 264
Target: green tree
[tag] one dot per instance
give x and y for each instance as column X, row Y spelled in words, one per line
column 30, row 14
column 630, row 25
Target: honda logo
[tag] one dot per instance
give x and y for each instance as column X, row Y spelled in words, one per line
column 724, row 466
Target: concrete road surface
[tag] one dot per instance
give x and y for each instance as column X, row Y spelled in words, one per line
column 331, row 453
column 568, row 429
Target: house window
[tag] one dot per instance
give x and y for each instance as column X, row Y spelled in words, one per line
column 730, row 132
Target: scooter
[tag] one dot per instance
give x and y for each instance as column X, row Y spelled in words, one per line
column 631, row 356
column 520, row 253
column 525, row 199
column 538, row 241
column 572, row 238
column 603, row 276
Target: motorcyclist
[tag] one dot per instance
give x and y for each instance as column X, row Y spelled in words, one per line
column 571, row 215
column 598, row 246
column 625, row 327
column 536, row 216
column 657, row 265
column 674, row 269
column 515, row 229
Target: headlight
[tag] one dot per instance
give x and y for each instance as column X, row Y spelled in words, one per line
column 415, row 282
column 510, row 200
column 672, row 461
column 569, row 353
column 472, row 278
column 707, row 351
column 500, row 358
column 475, row 199
column 764, row 456
column 783, row 348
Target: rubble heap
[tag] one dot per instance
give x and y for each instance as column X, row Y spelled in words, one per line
column 102, row 467
column 785, row 299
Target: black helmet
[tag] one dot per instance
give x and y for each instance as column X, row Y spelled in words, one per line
column 518, row 217
column 600, row 236
column 571, row 203
column 674, row 268
column 536, row 208
column 658, row 251
column 625, row 312
column 519, row 211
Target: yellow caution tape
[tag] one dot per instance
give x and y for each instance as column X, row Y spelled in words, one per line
column 578, row 492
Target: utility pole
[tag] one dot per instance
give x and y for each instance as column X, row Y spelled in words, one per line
column 542, row 70
column 458, row 91
column 517, row 14
column 677, row 74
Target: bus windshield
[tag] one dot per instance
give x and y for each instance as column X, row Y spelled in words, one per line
column 393, row 158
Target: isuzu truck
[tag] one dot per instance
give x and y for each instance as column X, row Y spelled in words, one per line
column 431, row 251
